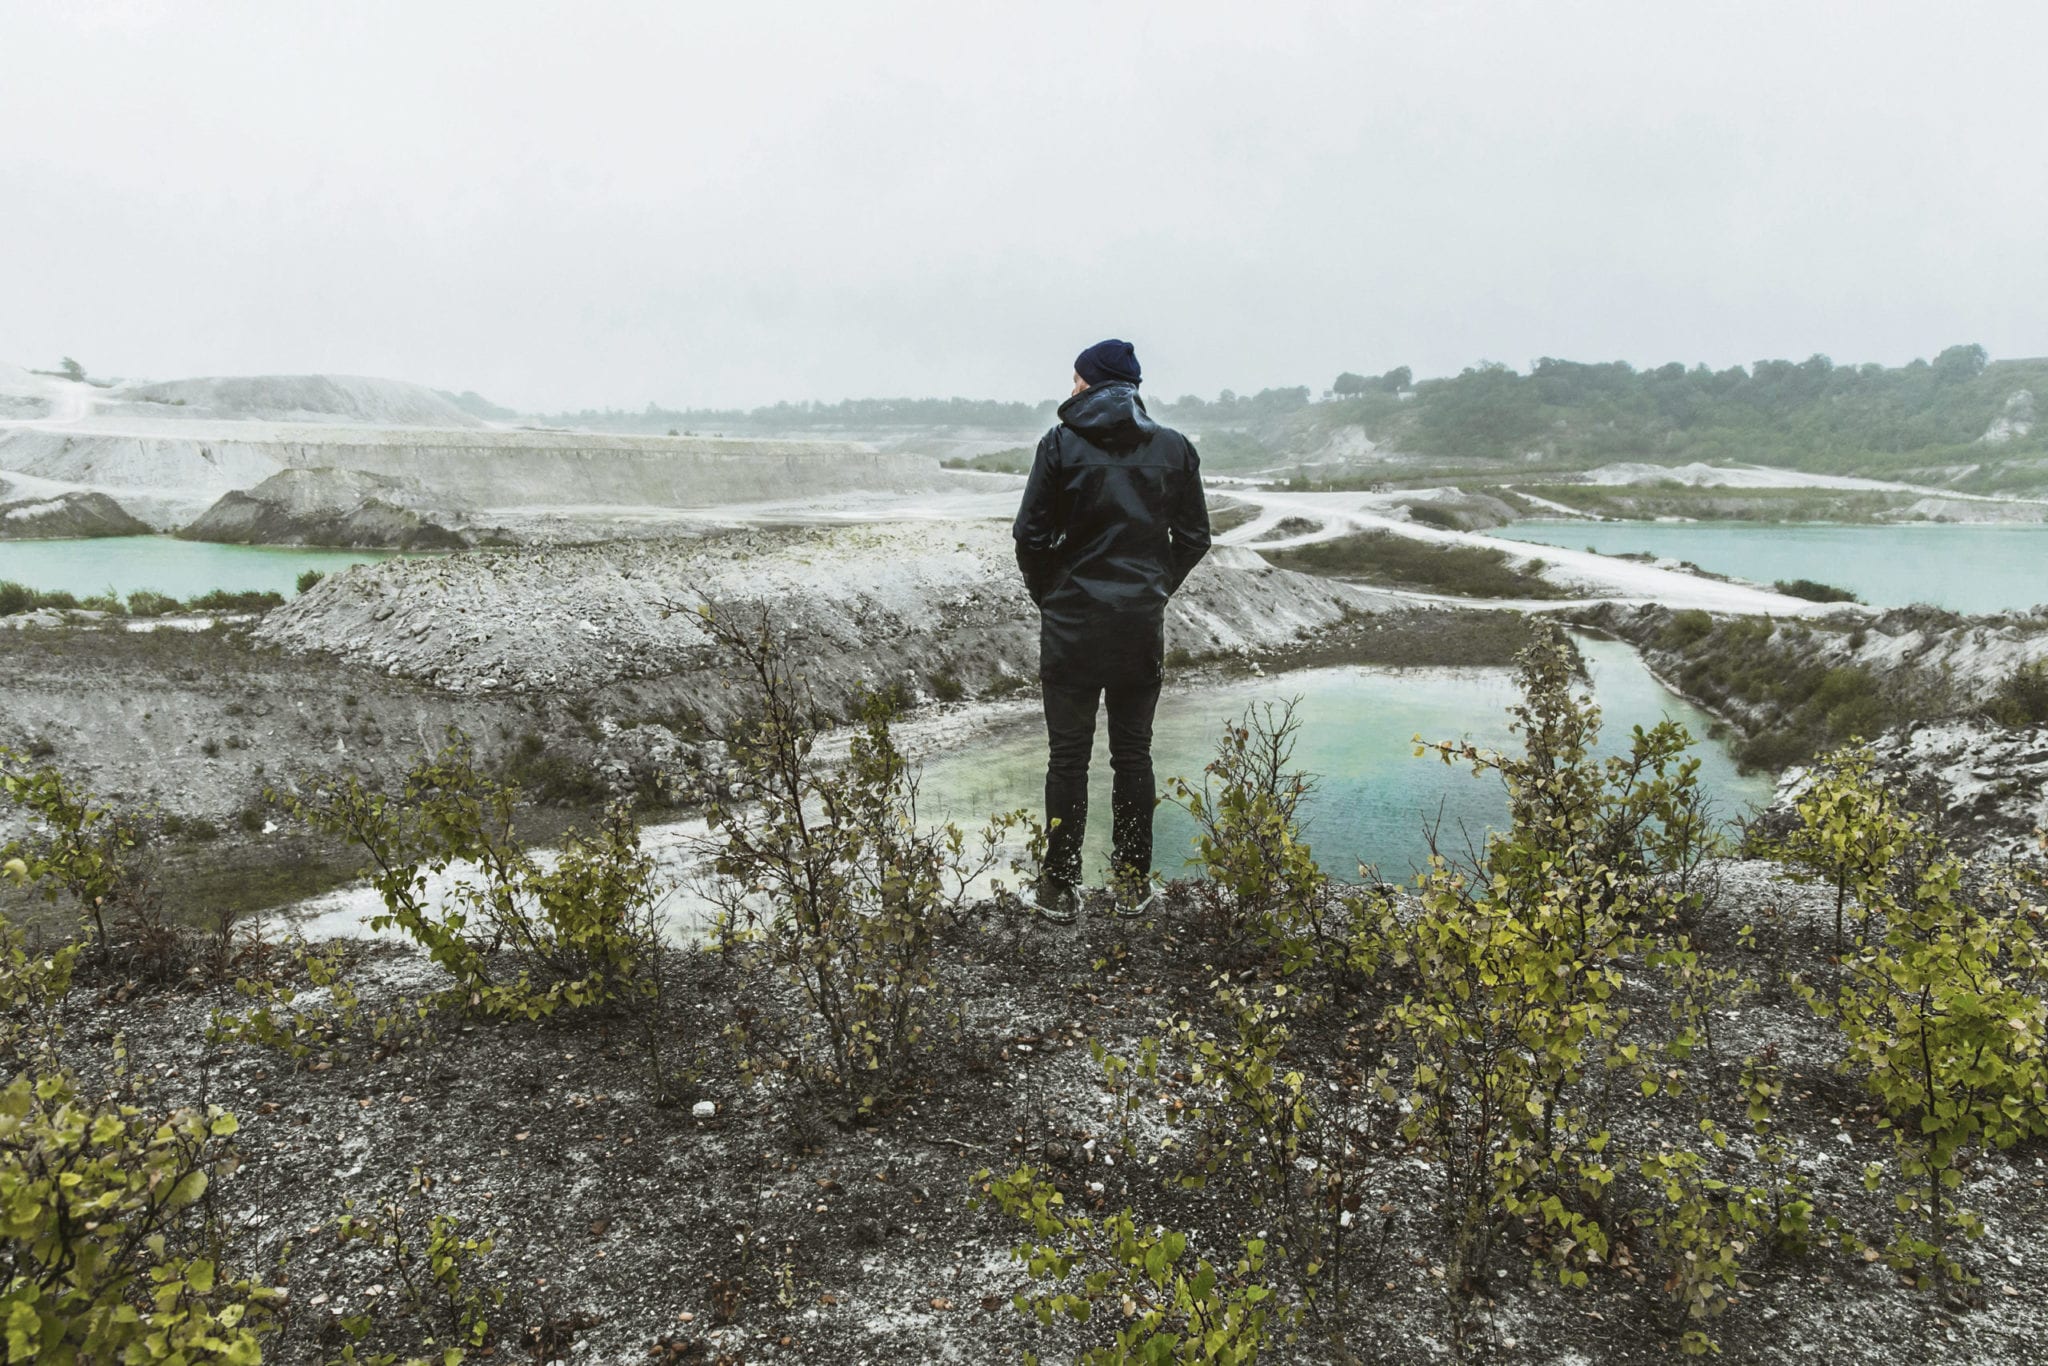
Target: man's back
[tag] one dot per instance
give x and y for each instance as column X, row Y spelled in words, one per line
column 1112, row 521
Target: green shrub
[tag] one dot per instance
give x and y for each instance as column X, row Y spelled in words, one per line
column 1016, row 460
column 1429, row 514
column 339, row 1025
column 1296, row 1150
column 548, row 777
column 1813, row 591
column 1686, row 628
column 18, row 597
column 1803, row 705
column 434, row 1266
column 1943, row 1014
column 32, row 988
column 1850, row 832
column 1515, row 1015
column 197, row 829
column 92, row 854
column 111, row 1251
column 109, row 1254
column 144, row 603
column 307, row 580
column 1136, row 1282
column 1248, row 836
column 580, row 933
column 2021, row 698
column 222, row 600
column 947, row 687
column 827, row 872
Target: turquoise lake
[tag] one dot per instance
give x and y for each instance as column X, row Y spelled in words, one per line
column 164, row 564
column 1963, row 568
column 1373, row 797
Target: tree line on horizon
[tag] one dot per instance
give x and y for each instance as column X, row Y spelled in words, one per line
column 1771, row 410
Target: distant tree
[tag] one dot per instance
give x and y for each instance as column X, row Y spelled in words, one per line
column 1959, row 363
column 1348, row 384
column 1397, row 379
column 73, row 370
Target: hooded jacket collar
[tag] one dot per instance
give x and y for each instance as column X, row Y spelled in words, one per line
column 1110, row 415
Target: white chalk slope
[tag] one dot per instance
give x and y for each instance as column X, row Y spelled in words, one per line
column 874, row 601
column 168, row 451
column 1596, row 576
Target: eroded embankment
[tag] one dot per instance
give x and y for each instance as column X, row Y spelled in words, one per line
column 198, row 724
column 1795, row 689
column 885, row 604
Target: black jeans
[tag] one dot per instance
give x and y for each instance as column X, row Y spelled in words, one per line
column 1070, row 731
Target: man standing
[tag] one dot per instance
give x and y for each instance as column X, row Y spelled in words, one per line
column 1112, row 521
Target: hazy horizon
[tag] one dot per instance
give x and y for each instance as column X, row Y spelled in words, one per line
column 634, row 204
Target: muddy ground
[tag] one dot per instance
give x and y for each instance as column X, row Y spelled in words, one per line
column 628, row 1229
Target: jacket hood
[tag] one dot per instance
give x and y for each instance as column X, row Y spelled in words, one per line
column 1111, row 416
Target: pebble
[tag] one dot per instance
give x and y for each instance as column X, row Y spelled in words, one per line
column 704, row 1109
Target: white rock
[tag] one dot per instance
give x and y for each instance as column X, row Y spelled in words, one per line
column 704, row 1109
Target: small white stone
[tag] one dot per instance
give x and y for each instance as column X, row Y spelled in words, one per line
column 704, row 1109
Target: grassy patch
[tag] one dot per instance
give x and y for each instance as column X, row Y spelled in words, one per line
column 1646, row 502
column 1380, row 557
column 243, row 879
column 19, row 597
column 1429, row 637
column 1227, row 514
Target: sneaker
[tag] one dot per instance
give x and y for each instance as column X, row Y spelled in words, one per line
column 1054, row 901
column 1128, row 901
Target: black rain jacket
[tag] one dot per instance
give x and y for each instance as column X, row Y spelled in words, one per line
column 1112, row 521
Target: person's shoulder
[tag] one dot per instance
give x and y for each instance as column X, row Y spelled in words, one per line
column 1174, row 437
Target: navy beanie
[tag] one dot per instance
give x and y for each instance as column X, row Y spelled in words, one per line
column 1108, row 360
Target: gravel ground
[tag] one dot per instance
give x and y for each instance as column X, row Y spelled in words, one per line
column 630, row 1228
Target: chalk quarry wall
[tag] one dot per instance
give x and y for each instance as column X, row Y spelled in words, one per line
column 168, row 477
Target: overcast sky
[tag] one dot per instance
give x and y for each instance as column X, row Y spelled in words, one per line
column 602, row 204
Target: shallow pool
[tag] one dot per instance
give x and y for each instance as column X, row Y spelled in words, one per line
column 1963, row 568
column 164, row 564
column 1373, row 800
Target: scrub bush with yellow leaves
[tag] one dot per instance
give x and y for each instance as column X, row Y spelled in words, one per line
column 1940, row 1003
column 1521, row 1037
column 109, row 1247
column 521, row 938
column 828, row 876
column 1136, row 1283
